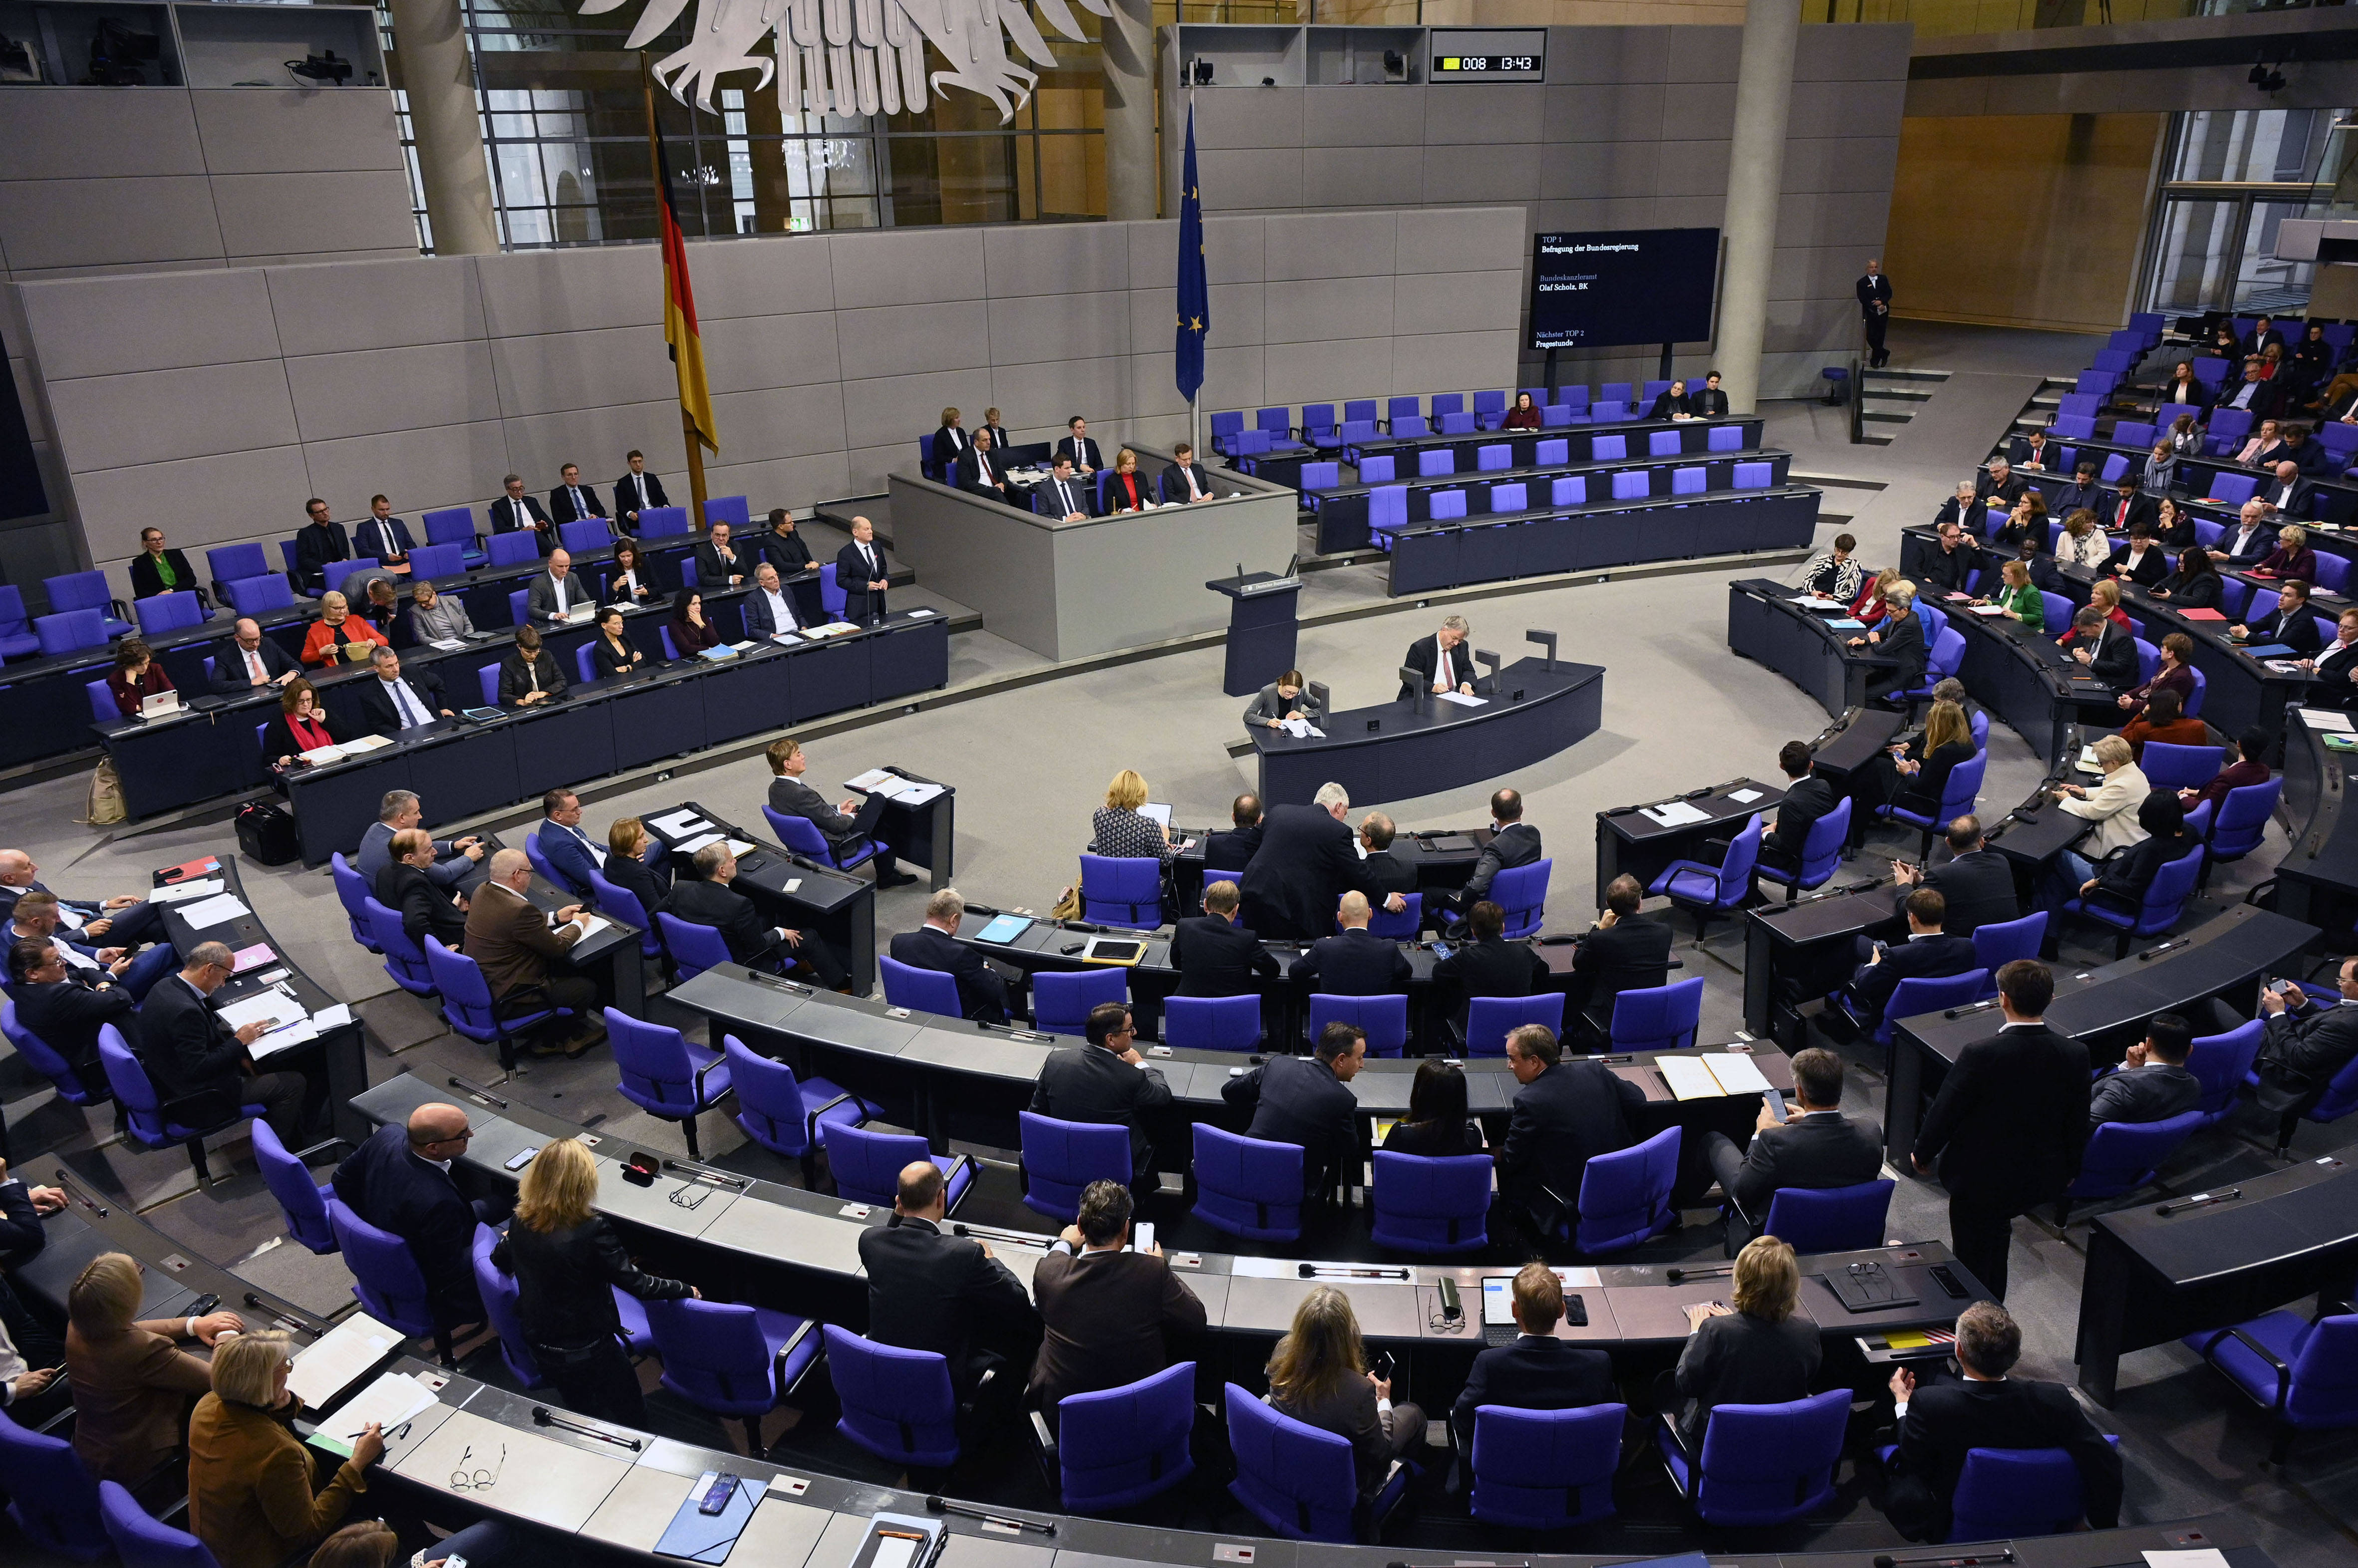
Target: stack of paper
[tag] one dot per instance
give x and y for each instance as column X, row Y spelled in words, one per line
column 1744, row 797
column 365, row 744
column 205, row 887
column 1674, row 814
column 592, row 925
column 252, row 957
column 327, row 1365
column 215, row 911
column 874, row 778
column 1689, row 1079
column 1462, row 700
column 272, row 1006
column 390, row 1401
column 2315, row 718
column 677, row 824
column 447, row 643
column 1987, row 611
column 1736, row 1074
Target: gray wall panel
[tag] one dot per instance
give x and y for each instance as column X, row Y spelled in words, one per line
column 1594, row 171
column 1850, row 54
column 1469, row 238
column 794, row 274
column 337, row 395
column 1350, row 176
column 907, row 267
column 1235, row 251
column 289, row 214
column 1450, row 361
column 1608, row 56
column 1308, row 372
column 1058, row 258
column 1329, row 244
column 153, row 321
column 108, row 223
column 914, row 404
column 445, row 465
column 826, row 475
column 1704, row 54
column 1329, row 308
column 551, row 372
column 1601, row 112
column 1691, row 168
column 332, row 309
column 1355, row 118
column 1250, row 178
column 783, row 421
column 1488, row 114
column 911, row 339
column 528, row 292
column 1854, row 163
column 1456, row 302
column 96, row 133
column 539, row 445
column 1052, row 392
column 162, row 415
column 1247, row 117
column 1458, row 174
column 751, row 351
column 296, row 130
column 203, row 501
column 1034, row 328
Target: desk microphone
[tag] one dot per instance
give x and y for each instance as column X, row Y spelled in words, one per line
column 1338, row 1271
column 2199, row 1200
column 541, row 1417
column 1675, row 1275
column 1886, row 1560
column 940, row 1506
column 478, row 1091
column 2155, row 952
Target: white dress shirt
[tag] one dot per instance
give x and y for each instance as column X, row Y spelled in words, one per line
column 564, row 592
column 868, row 553
column 406, row 704
column 597, row 851
column 256, row 674
column 782, row 614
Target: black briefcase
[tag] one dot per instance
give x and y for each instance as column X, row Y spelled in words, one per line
column 266, row 834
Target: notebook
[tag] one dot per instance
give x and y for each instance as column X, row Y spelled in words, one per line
column 1006, row 928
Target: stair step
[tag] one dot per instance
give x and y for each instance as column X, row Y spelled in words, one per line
column 1894, row 396
column 1890, row 374
column 1877, row 416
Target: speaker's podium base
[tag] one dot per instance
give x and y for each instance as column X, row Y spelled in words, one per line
column 1261, row 627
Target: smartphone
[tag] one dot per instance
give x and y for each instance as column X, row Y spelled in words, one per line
column 1381, row 1364
column 713, row 1491
column 1142, row 1236
column 521, row 1160
column 1776, row 1098
column 454, row 1561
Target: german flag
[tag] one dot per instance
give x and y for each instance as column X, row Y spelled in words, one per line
column 679, row 298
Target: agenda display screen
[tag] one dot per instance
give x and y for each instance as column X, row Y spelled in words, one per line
column 1629, row 286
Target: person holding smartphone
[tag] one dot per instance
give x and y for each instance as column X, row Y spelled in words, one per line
column 1111, row 1316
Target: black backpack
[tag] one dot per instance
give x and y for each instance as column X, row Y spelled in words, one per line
column 265, row 833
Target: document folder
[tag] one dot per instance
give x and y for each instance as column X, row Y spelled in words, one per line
column 698, row 1537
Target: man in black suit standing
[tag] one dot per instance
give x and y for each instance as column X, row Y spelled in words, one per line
column 1185, row 480
column 516, row 510
column 2152, row 1084
column 251, row 662
column 396, row 701
column 1308, row 1101
column 1537, row 1371
column 570, row 501
column 1975, row 883
column 1106, row 1082
column 1928, row 954
column 934, row 946
column 1442, row 659
column 400, row 1180
column 1807, row 798
column 1489, row 965
column 2009, row 1124
column 2305, row 1045
column 56, row 1005
column 1110, row 1316
column 707, row 898
column 425, row 909
column 1815, row 1146
column 1063, row 496
column 1305, row 864
column 1941, row 1422
column 1215, row 955
column 192, row 1056
column 1623, row 951
column 1233, row 850
column 318, row 544
column 789, row 796
column 1874, row 293
column 1513, row 842
column 719, row 563
column 1353, row 962
column 931, row 1291
column 1565, row 1114
column 860, row 571
column 1087, row 455
column 635, row 491
column 980, row 470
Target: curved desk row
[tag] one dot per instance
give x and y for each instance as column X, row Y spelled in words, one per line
column 2317, row 880
column 1601, row 534
column 1765, row 625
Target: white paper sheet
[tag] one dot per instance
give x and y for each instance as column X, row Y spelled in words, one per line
column 1744, row 797
column 2201, row 1557
column 920, row 614
column 365, row 743
column 1988, row 610
column 1462, row 700
column 334, row 1017
column 1689, row 1079
column 1736, row 1074
column 873, row 779
column 2088, row 763
column 690, row 845
column 2315, row 718
column 1674, row 814
column 215, row 911
column 261, row 1008
column 205, row 887
column 916, row 794
column 592, row 925
column 674, row 824
column 447, row 643
column 390, row 1401
column 1155, row 811
column 285, row 1039
column 324, row 1366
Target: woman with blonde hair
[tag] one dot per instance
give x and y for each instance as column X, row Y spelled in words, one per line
column 1870, row 608
column 568, row 1263
column 1318, row 1374
column 1121, row 831
column 131, row 1383
column 2017, row 598
column 1125, row 491
column 252, row 1493
column 1754, row 1350
column 1916, row 776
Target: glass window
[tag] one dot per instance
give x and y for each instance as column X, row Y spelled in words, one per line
column 2229, row 180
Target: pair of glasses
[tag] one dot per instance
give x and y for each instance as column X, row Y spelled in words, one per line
column 680, row 1199
column 465, row 1480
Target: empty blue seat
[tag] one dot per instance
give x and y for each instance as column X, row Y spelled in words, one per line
column 1383, row 1019
column 1277, row 424
column 2007, row 1492
column 515, row 548
column 1062, row 1157
column 427, row 562
column 1608, row 448
column 1724, row 438
column 140, row 1540
column 1061, row 1002
column 386, row 1280
column 1445, row 403
column 1663, row 444
column 302, row 1202
column 1377, row 470
column 1689, row 480
column 1553, row 451
column 2168, row 767
column 1571, row 490
column 1227, row 425
column 1625, row 1196
column 1432, row 1206
column 1359, row 408
column 1455, row 423
column 663, row 1074
column 781, row 1112
column 1629, row 486
column 51, row 1495
column 86, row 591
column 453, row 525
column 577, row 538
column 1247, row 1186
column 1658, row 1018
column 1386, row 511
column 1437, row 460
column 1556, row 415
column 1705, row 890
column 1762, row 1465
column 1520, row 893
column 1509, row 497
column 1545, row 1470
column 731, row 1360
column 16, row 639
column 1118, row 1448
column 1829, row 1219
column 662, row 522
column 897, row 1404
column 1321, row 476
column 2002, row 942
column 2121, row 1156
column 69, row 633
column 169, row 611
column 1212, row 1022
column 2298, row 1371
column 47, row 1061
column 2219, row 1063
column 1445, row 505
column 1489, row 460
column 732, row 509
column 1490, row 408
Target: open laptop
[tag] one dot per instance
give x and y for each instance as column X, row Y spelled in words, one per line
column 162, row 705
column 1498, row 1309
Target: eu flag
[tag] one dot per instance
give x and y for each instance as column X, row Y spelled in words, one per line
column 1195, row 298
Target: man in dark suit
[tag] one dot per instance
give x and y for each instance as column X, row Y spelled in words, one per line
column 1941, row 1422
column 1945, row 569
column 934, row 946
column 398, row 809
column 398, row 700
column 1928, row 954
column 2264, row 332
column 571, row 499
column 2152, row 1084
column 1537, row 1371
column 789, row 796
column 719, row 563
column 2305, row 1045
column 251, row 662
column 1063, row 496
column 786, row 547
column 318, row 544
column 153, row 561
column 1352, row 962
column 1105, row 1082
column 2287, row 492
column 635, row 491
column 382, row 534
column 55, row 1004
column 516, row 510
column 2250, row 541
column 1707, row 401
column 192, row 1057
column 1382, row 873
column 1513, row 842
column 1623, row 951
column 2108, row 651
column 1565, row 1114
column 860, row 571
column 405, row 888
column 1308, row 1101
column 1305, row 864
column 2009, row 1124
column 1215, row 955
column 2287, row 621
column 2125, row 507
column 2256, row 393
column 2084, row 491
column 1000, row 440
column 401, row 1179
column 1964, row 507
column 1087, row 455
column 1109, row 1317
column 980, row 470
column 708, row 900
column 1815, row 1146
column 931, row 1291
column 2000, row 484
column 1976, row 883
column 1443, row 660
column 1874, row 293
column 1489, row 965
column 1807, row 798
column 572, row 854
column 1233, row 850
column 1185, row 480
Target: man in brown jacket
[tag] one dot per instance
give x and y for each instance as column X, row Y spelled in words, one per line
column 1109, row 1315
column 512, row 942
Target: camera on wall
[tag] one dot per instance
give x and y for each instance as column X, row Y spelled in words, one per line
column 325, row 68
column 1199, row 73
column 1395, row 66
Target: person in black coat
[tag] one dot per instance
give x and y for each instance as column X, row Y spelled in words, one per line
column 400, row 1180
column 2144, row 563
column 1106, row 1082
column 1901, row 637
column 1565, row 1114
column 1436, row 1126
column 2287, row 621
column 1233, row 849
column 1304, row 865
column 1537, row 1371
column 2124, row 877
column 1874, row 291
column 1489, row 965
column 1807, row 798
column 2000, row 484
column 426, row 909
column 930, row 1291
column 515, row 510
column 2082, row 494
column 2152, row 1082
column 1443, row 662
column 2009, row 1124
column 708, row 900
column 149, row 568
column 859, row 572
column 1928, row 954
column 1214, row 955
column 1513, row 842
column 66, row 1014
column 2195, row 585
column 1754, row 1350
column 627, row 867
column 1943, row 569
column 1814, row 1147
column 2305, row 1045
column 721, row 564
column 570, row 501
column 232, row 676
column 787, row 549
column 950, row 443
column 1307, row 1101
column 1976, row 883
column 934, row 946
column 1941, row 1422
column 1382, row 873
column 1621, row 952
column 529, row 675
column 1353, row 962
column 194, row 1057
column 1707, row 401
column 318, row 544
column 635, row 491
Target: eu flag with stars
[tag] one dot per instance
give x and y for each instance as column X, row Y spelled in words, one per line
column 1194, row 298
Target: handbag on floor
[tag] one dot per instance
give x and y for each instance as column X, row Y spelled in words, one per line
column 106, row 807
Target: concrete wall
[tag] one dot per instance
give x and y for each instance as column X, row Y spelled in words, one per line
column 216, row 401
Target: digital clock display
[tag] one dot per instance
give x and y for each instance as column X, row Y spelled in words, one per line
column 1479, row 62
column 1487, row 54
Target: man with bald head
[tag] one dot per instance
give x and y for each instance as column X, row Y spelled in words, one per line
column 251, row 662
column 405, row 1180
column 556, row 593
column 1354, row 961
column 122, row 921
column 191, row 1056
column 929, row 1290
column 514, row 946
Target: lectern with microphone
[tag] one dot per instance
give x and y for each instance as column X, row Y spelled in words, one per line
column 1262, row 623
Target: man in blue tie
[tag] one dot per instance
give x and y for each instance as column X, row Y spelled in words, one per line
column 395, row 702
column 570, row 853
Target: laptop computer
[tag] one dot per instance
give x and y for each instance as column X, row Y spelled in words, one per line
column 160, row 705
column 1498, row 1325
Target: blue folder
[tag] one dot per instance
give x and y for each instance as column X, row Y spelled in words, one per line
column 1006, row 928
column 696, row 1537
column 2271, row 651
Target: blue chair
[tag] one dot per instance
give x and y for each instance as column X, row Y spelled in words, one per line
column 518, row 546
column 101, row 697
column 866, row 1164
column 1625, row 1196
column 2123, row 1156
column 1320, row 476
column 1918, row 995
column 405, row 960
column 452, row 525
column 2165, row 900
column 1387, row 513
column 429, row 563
column 731, row 1360
column 148, row 1120
column 1383, row 1019
column 1490, row 1019
column 1401, row 928
column 46, row 1059
column 1377, row 470
column 1277, row 424
column 503, row 1306
column 1947, row 655
column 693, row 948
column 579, row 537
column 142, row 1541
column 1545, row 1470
column 169, row 611
column 1118, row 1448
column 1126, row 892
column 897, row 1404
column 1761, row 1464
column 2170, row 767
column 1432, row 1206
column 1318, row 426
column 467, row 1003
column 2232, row 490
column 1062, row 1157
column 1997, row 945
column 259, row 595
column 1705, row 890
column 386, row 1280
column 352, row 892
column 302, row 1202
column 2244, row 822
column 1226, row 426
column 1571, row 490
column 2219, row 1063
column 1821, row 855
column 50, row 1496
column 665, row 1075
column 2302, row 1373
column 487, row 682
column 802, row 836
column 732, row 509
column 920, row 990
column 69, row 633
column 1492, row 460
column 1212, row 1022
column 1632, row 486
column 1957, row 796
column 1247, row 1186
column 1061, row 1002
column 1829, row 1219
column 1436, row 462
column 17, row 639
column 1490, row 408
column 782, row 1113
column 1399, row 408
column 1521, row 892
column 662, row 522
column 2202, row 682
column 1445, row 505
column 832, row 599
column 1456, row 423
column 87, row 590
column 1658, row 1018
column 1447, row 403
column 2007, row 1492
column 1300, row 1481
column 1507, row 498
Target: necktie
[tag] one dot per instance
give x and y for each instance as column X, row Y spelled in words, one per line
column 868, row 554
column 1192, row 490
column 579, row 510
column 255, row 673
column 982, row 466
column 412, row 715
column 1441, row 673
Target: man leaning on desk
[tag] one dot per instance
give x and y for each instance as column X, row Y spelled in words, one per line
column 1439, row 660
column 708, row 900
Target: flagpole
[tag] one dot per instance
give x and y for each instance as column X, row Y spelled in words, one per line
column 1194, row 415
column 687, row 420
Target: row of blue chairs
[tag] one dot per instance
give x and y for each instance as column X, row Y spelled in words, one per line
column 1447, row 413
column 1126, row 891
